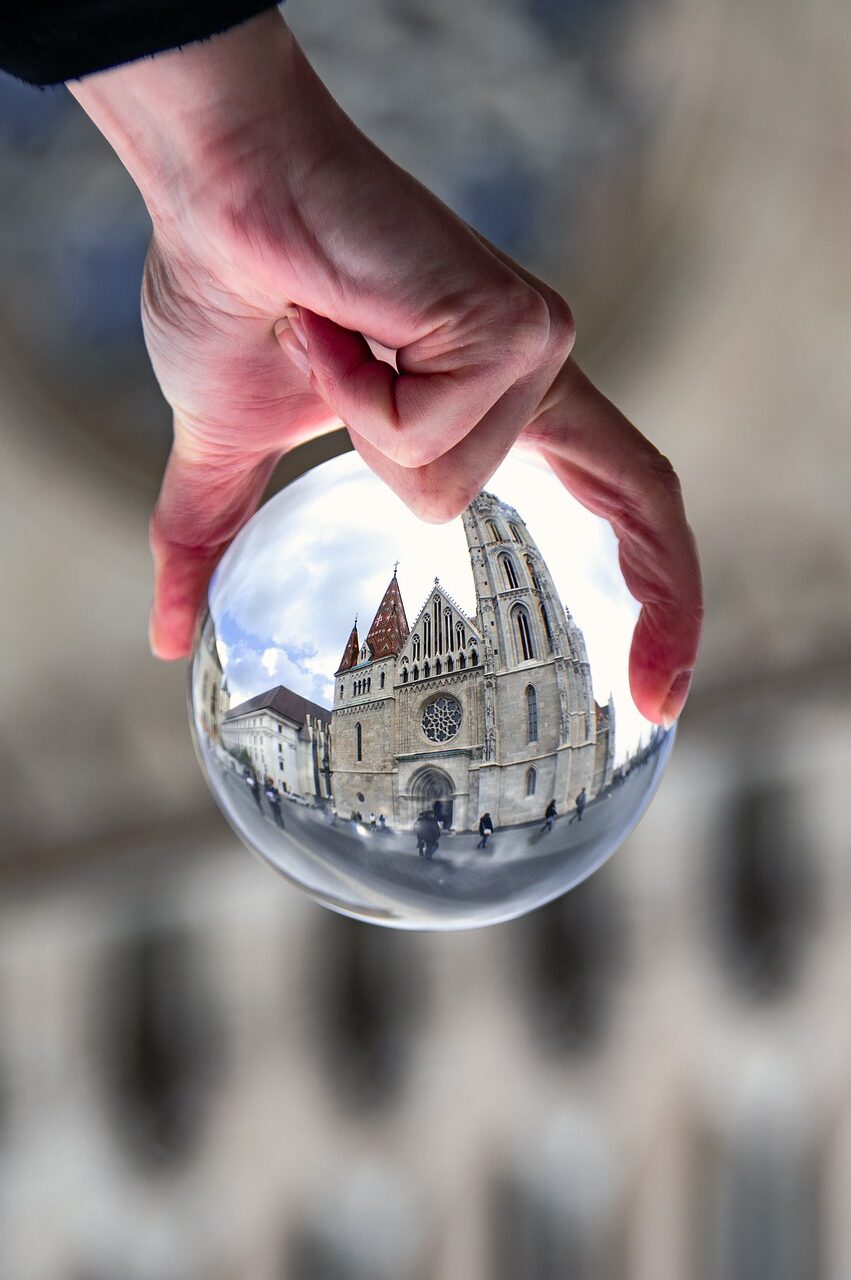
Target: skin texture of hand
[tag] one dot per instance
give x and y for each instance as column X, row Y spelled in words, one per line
column 281, row 237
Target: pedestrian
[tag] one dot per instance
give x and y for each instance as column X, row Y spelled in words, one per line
column 271, row 794
column 372, row 822
column 382, row 825
column 253, row 786
column 549, row 817
column 581, row 801
column 485, row 830
column 428, row 834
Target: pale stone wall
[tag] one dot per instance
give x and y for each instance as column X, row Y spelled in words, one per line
column 372, row 775
column 292, row 757
column 208, row 691
column 272, row 743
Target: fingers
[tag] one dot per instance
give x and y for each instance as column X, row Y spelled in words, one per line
column 618, row 474
column 440, row 488
column 447, row 382
column 205, row 499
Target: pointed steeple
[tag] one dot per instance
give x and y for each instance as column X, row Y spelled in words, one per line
column 389, row 629
column 351, row 651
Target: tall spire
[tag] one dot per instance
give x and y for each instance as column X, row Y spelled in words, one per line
column 351, row 651
column 389, row 629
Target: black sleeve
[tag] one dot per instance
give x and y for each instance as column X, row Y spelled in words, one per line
column 50, row 41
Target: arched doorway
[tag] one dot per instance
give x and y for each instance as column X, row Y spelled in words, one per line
column 433, row 789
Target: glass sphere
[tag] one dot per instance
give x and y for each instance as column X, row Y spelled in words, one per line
column 424, row 726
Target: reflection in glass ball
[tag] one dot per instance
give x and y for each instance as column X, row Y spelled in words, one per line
column 424, row 726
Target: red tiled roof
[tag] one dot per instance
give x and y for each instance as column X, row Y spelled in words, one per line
column 350, row 653
column 286, row 704
column 389, row 629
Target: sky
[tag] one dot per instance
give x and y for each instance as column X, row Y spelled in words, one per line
column 286, row 593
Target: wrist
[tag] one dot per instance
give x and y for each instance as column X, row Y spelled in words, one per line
column 187, row 119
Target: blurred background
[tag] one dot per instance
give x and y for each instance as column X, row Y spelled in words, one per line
column 202, row 1075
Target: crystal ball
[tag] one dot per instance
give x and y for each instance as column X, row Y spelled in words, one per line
column 424, row 726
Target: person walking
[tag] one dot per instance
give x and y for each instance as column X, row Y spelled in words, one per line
column 581, row 801
column 485, row 830
column 253, row 787
column 549, row 816
column 428, row 834
column 271, row 793
column 372, row 822
column 382, row 825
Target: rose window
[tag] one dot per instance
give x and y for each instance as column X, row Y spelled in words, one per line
column 441, row 719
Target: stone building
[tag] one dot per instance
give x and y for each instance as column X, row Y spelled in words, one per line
column 211, row 692
column 286, row 738
column 493, row 712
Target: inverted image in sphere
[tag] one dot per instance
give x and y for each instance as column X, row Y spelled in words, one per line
column 427, row 727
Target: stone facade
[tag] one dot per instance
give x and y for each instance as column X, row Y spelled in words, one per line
column 286, row 738
column 492, row 713
column 211, row 689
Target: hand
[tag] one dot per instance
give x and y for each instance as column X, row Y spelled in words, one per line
column 268, row 202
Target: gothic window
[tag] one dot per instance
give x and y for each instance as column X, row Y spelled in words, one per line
column 493, row 531
column 532, row 714
column 426, row 671
column 509, row 572
column 474, row 657
column 437, row 667
column 426, row 636
column 545, row 618
column 515, row 533
column 368, row 683
column 363, row 653
column 438, row 634
column 381, row 681
column 524, row 634
column 415, row 675
column 533, row 573
column 415, row 648
column 462, row 660
column 358, row 742
column 460, row 638
column 450, row 665
column 531, row 781
column 441, row 719
column 405, row 675
column 447, row 628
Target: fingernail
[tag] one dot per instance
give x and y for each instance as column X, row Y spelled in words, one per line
column 289, row 343
column 676, row 699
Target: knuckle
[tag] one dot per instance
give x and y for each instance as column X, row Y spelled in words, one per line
column 530, row 317
column 543, row 323
column 662, row 476
column 412, row 451
column 562, row 326
column 436, row 501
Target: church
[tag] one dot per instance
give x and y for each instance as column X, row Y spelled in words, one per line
column 492, row 713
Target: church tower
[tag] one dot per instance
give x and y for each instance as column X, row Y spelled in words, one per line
column 363, row 720
column 536, row 666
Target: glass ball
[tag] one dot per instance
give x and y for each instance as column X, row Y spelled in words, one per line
column 424, row 726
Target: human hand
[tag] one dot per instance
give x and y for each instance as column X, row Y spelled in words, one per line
column 266, row 200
